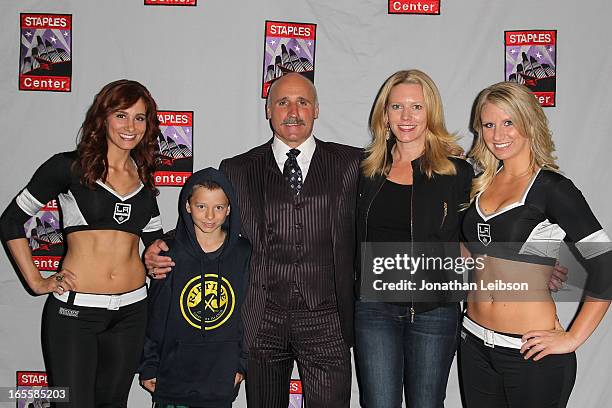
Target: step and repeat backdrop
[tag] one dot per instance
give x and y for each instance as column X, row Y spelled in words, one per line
column 209, row 65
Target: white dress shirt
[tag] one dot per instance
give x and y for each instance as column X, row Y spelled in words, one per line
column 307, row 148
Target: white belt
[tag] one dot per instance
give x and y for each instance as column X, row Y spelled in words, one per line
column 491, row 338
column 110, row 302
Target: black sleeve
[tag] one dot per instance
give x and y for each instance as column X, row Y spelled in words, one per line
column 358, row 228
column 51, row 179
column 169, row 235
column 244, row 352
column 465, row 173
column 159, row 298
column 568, row 208
column 466, row 185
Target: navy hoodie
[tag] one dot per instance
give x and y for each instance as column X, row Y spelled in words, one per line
column 193, row 344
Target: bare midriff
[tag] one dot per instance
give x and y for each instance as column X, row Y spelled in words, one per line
column 512, row 311
column 104, row 261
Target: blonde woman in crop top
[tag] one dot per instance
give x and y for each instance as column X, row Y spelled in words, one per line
column 514, row 353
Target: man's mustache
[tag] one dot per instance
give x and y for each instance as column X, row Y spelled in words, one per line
column 293, row 121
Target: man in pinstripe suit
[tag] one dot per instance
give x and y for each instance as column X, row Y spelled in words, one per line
column 297, row 197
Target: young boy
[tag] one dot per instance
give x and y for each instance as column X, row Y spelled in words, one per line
column 192, row 354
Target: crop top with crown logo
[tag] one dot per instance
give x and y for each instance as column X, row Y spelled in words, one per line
column 551, row 210
column 82, row 208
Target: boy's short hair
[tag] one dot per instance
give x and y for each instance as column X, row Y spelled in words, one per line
column 207, row 184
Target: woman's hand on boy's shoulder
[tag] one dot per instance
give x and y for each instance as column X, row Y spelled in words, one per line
column 157, row 265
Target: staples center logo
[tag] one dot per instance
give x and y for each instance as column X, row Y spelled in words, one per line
column 174, row 148
column 414, row 7
column 170, row 2
column 44, row 234
column 288, row 47
column 32, row 387
column 45, row 56
column 530, row 58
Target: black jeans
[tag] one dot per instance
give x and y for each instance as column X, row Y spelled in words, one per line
column 93, row 351
column 500, row 377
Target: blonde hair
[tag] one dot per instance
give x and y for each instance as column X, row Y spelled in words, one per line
column 439, row 143
column 527, row 117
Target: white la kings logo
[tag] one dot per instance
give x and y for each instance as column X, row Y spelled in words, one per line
column 122, row 212
column 484, row 233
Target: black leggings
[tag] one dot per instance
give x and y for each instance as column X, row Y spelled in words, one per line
column 93, row 351
column 500, row 377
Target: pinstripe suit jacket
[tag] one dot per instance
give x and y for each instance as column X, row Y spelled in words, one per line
column 248, row 174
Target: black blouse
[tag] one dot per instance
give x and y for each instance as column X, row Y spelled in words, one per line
column 389, row 217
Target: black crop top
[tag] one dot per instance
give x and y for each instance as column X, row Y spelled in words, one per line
column 82, row 208
column 552, row 209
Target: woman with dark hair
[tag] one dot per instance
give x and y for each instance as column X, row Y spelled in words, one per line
column 411, row 189
column 94, row 321
column 514, row 352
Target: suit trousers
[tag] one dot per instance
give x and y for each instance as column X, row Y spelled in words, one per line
column 313, row 339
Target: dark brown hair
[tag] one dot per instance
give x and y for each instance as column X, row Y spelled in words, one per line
column 92, row 146
column 208, row 185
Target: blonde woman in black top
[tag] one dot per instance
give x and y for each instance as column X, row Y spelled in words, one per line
column 412, row 187
column 514, row 352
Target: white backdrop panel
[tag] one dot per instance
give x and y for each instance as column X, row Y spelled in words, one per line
column 209, row 59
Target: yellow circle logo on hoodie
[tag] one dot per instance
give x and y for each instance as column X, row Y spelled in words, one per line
column 217, row 304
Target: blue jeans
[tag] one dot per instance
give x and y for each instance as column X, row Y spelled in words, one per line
column 392, row 354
